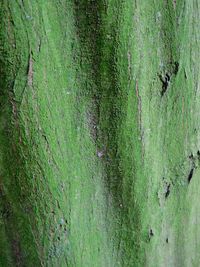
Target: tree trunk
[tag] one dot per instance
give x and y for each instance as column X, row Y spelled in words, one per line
column 99, row 133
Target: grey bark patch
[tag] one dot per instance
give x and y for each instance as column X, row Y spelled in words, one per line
column 17, row 252
column 100, row 154
column 174, row 3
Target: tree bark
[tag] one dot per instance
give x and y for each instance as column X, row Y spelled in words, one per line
column 99, row 133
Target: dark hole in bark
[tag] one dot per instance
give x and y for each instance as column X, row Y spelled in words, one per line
column 167, row 191
column 151, row 234
column 166, row 79
column 185, row 75
column 190, row 175
column 165, row 82
column 176, row 67
column 191, row 156
column 167, row 240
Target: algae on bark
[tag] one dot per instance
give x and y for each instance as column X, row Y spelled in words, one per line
column 99, row 133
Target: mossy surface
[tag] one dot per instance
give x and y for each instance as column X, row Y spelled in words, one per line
column 99, row 133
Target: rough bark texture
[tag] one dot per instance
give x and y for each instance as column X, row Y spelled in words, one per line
column 99, row 133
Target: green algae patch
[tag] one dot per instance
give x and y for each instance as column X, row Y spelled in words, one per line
column 99, row 145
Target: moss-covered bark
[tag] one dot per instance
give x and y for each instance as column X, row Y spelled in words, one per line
column 99, row 133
